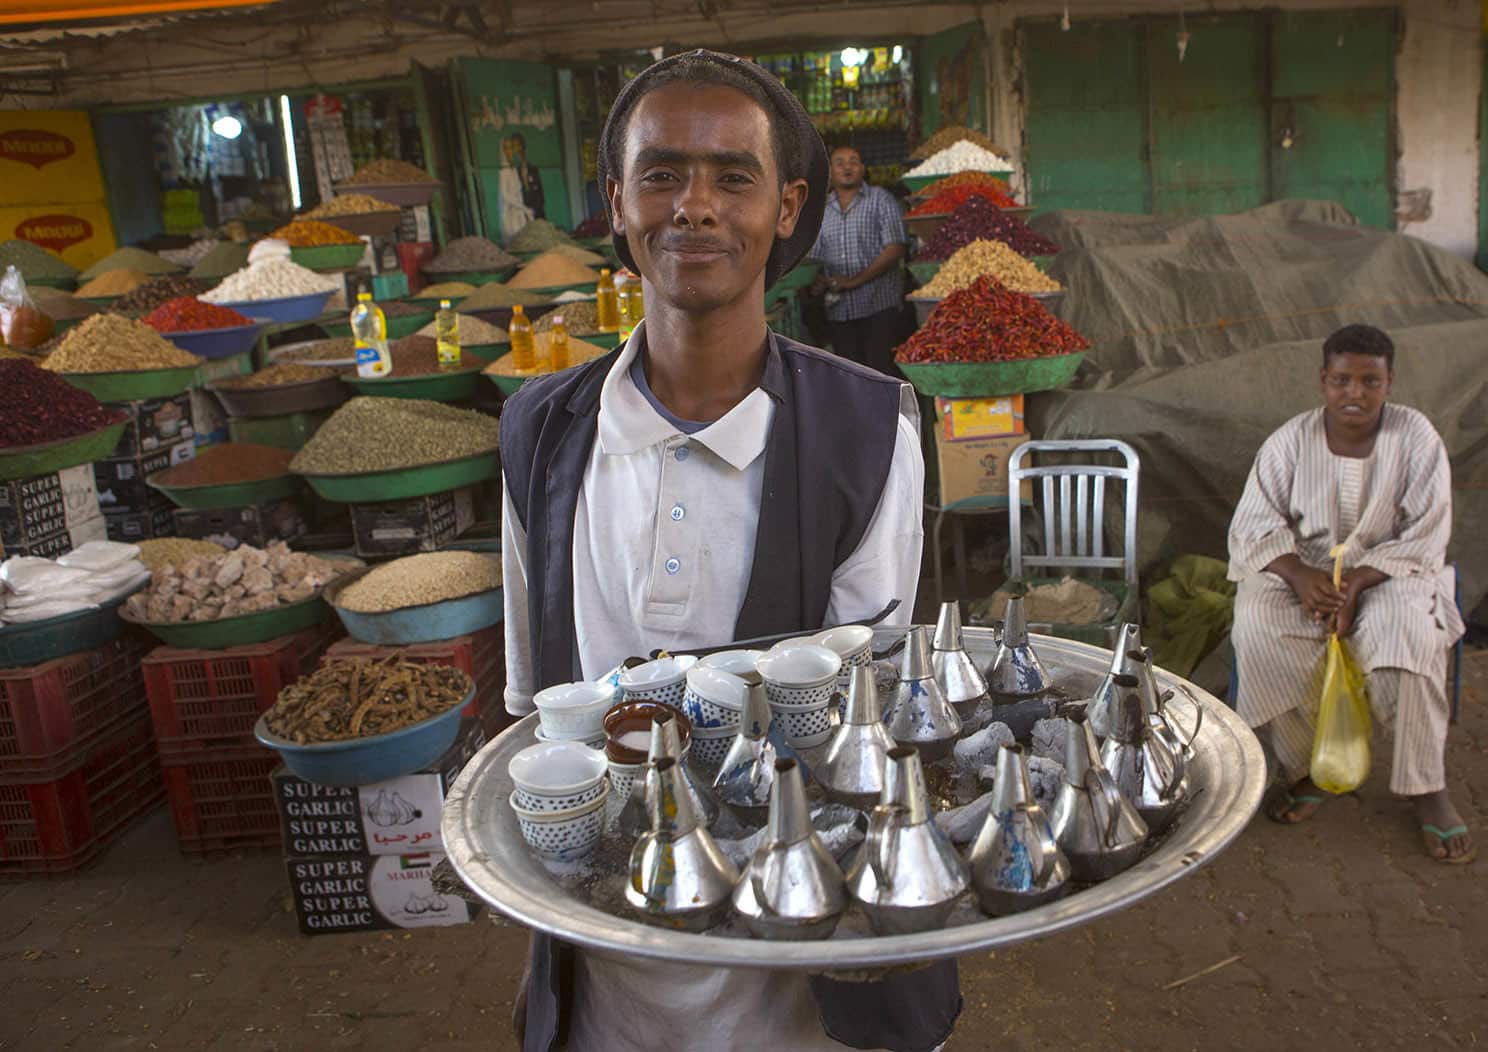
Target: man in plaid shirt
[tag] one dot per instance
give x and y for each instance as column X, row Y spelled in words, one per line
column 861, row 244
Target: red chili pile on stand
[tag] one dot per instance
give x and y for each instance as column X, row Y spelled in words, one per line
column 597, row 225
column 956, row 196
column 986, row 322
column 37, row 406
column 979, row 219
column 189, row 314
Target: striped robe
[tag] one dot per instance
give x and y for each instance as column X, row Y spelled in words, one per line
column 1394, row 509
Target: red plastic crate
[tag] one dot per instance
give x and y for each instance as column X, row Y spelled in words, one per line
column 223, row 800
column 480, row 655
column 59, row 823
column 201, row 699
column 50, row 713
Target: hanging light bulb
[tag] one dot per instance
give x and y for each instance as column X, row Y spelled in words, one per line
column 853, row 57
column 897, row 55
column 227, row 126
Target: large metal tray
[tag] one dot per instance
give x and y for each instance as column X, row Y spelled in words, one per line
column 483, row 842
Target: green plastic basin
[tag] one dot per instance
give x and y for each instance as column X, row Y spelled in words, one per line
column 435, row 387
column 229, row 494
column 135, row 386
column 991, row 379
column 237, row 631
column 406, row 483
column 471, row 277
column 28, row 461
column 328, row 257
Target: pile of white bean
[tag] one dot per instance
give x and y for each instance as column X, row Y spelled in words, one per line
column 270, row 279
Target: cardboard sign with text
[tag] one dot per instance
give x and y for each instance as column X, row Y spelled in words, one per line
column 976, row 467
column 967, row 418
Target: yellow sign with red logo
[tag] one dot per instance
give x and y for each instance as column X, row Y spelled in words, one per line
column 51, row 189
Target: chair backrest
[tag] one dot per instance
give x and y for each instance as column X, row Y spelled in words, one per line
column 1072, row 501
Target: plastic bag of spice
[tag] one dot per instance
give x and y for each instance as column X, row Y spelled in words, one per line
column 22, row 325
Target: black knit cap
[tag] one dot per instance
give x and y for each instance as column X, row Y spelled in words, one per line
column 789, row 120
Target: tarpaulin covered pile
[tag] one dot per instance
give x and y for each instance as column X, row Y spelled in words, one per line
column 1207, row 334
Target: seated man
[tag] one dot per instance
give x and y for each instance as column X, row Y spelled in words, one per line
column 1373, row 476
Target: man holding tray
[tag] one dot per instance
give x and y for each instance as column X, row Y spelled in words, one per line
column 708, row 481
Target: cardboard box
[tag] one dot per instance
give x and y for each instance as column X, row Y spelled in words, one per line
column 255, row 524
column 403, row 527
column 121, row 480
column 155, row 424
column 962, row 419
column 385, row 818
column 129, row 526
column 976, row 467
column 60, row 543
column 46, row 505
column 371, row 893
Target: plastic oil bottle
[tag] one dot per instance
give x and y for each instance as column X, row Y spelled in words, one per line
column 369, row 330
column 447, row 337
column 558, row 345
column 637, row 305
column 622, row 294
column 523, row 344
column 607, row 303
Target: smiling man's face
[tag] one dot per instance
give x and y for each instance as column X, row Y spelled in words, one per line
column 1355, row 387
column 700, row 200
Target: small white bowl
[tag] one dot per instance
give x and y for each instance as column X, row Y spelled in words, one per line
column 663, row 680
column 852, row 643
column 573, row 711
column 557, row 769
column 808, row 664
column 806, row 728
column 713, row 699
column 563, row 836
column 739, row 662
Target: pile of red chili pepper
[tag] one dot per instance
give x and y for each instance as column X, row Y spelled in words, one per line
column 597, row 225
column 956, row 196
column 979, row 219
column 967, row 179
column 37, row 406
column 189, row 314
column 986, row 322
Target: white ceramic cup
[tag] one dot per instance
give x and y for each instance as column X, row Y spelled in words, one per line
column 573, row 711
column 852, row 643
column 663, row 680
column 739, row 662
column 800, row 677
column 556, row 771
column 714, row 699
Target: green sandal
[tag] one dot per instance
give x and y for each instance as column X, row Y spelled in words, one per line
column 1442, row 836
column 1292, row 801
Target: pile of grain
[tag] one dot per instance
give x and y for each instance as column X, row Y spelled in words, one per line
column 131, row 259
column 144, row 298
column 108, row 343
column 550, row 270
column 538, row 236
column 59, row 305
column 174, row 551
column 389, row 171
column 494, row 296
column 950, row 136
column 446, row 290
column 270, row 279
column 112, row 283
column 389, row 434
column 579, row 254
column 431, row 577
column 579, row 351
column 278, row 375
column 993, row 259
column 312, row 233
column 340, row 349
column 349, row 205
column 33, row 261
column 221, row 260
column 470, row 254
column 580, row 318
column 473, row 331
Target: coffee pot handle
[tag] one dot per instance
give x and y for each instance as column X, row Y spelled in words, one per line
column 883, row 829
column 1171, row 755
column 1185, row 739
column 1104, row 794
column 1048, row 849
column 650, row 852
column 760, row 876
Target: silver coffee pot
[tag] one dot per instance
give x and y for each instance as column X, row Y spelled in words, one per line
column 1015, row 862
column 852, row 770
column 666, row 743
column 907, row 876
column 678, row 876
column 1145, row 759
column 1096, row 827
column 1016, row 671
column 920, row 714
column 792, row 887
column 1104, row 708
column 960, row 680
column 746, row 776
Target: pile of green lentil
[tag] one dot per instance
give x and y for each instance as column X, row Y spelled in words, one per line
column 415, row 580
column 136, row 259
column 222, row 259
column 34, row 262
column 388, row 434
column 580, row 318
column 538, row 236
column 494, row 296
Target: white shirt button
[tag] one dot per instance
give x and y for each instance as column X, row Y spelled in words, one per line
column 673, row 565
column 683, row 452
column 678, row 513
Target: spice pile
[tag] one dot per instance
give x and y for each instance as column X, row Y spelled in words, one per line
column 311, row 233
column 980, row 220
column 538, row 236
column 579, row 352
column 189, row 314
column 277, row 375
column 495, row 296
column 419, row 356
column 130, row 259
column 59, row 305
column 145, row 298
column 112, row 283
column 389, row 171
column 580, row 318
column 962, row 156
column 416, row 580
column 174, row 551
column 221, row 260
column 108, row 343
column 473, row 331
column 349, row 205
column 991, row 259
column 966, row 179
column 271, row 279
column 359, row 698
column 90, row 575
column 389, row 434
column 339, row 349
column 579, row 254
column 470, row 253
column 950, row 136
column 949, row 200
column 191, row 255
column 446, row 290
column 226, row 463
column 552, row 269
column 244, row 581
column 34, row 262
column 987, row 323
column 38, row 407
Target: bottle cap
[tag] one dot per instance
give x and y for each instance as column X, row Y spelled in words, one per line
column 364, row 297
column 557, row 319
column 604, row 272
column 444, row 304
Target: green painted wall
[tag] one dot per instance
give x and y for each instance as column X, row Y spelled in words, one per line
column 953, row 67
column 1483, row 174
column 1116, row 121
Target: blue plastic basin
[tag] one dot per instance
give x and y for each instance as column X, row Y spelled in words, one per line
column 289, row 309
column 217, row 343
column 427, row 623
column 362, row 761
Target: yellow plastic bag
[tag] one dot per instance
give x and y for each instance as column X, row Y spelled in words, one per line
column 1340, row 745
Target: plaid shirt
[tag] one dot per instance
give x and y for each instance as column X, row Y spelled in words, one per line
column 850, row 240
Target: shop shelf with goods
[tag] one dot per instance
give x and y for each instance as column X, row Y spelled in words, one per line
column 58, row 820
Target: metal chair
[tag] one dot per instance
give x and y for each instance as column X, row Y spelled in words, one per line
column 1071, row 499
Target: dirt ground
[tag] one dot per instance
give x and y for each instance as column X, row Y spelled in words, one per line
column 1335, row 935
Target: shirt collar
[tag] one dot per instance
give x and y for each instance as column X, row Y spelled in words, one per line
column 628, row 423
